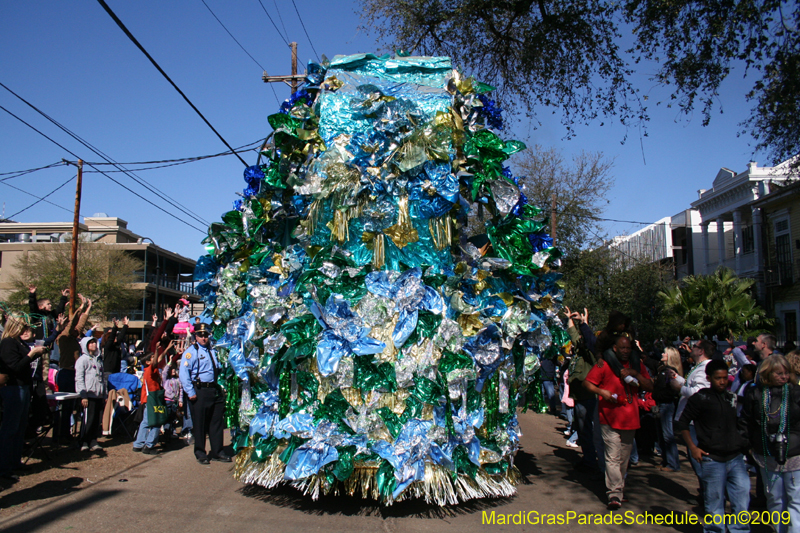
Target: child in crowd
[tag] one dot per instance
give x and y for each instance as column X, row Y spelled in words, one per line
column 90, row 385
column 183, row 327
column 719, row 448
column 173, row 395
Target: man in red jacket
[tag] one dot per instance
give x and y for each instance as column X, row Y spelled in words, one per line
column 617, row 381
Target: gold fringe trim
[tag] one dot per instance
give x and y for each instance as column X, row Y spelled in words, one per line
column 441, row 232
column 438, row 487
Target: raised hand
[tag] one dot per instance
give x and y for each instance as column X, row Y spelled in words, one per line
column 125, row 321
column 65, row 293
column 32, row 289
column 168, row 314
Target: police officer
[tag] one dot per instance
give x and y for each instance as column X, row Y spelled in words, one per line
column 198, row 375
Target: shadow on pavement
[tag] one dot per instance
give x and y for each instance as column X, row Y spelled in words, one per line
column 526, row 463
column 31, row 522
column 41, row 491
column 349, row 506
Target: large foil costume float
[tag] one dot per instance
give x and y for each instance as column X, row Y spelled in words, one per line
column 372, row 345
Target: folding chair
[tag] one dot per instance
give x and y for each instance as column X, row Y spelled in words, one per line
column 65, row 382
column 123, row 415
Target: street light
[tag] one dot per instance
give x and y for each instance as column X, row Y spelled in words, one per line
column 158, row 268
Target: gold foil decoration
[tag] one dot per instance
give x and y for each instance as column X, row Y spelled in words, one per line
column 403, row 232
column 470, row 324
column 441, row 231
column 545, row 303
column 378, row 251
column 339, row 227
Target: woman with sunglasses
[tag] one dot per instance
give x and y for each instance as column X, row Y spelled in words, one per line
column 16, row 357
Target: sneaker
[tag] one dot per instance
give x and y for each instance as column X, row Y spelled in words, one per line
column 150, row 451
column 95, row 446
column 614, row 504
column 571, row 444
column 137, row 449
column 190, row 439
column 567, row 433
column 84, row 447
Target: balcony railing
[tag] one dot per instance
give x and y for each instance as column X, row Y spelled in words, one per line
column 166, row 282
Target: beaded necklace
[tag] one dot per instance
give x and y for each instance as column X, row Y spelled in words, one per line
column 784, row 415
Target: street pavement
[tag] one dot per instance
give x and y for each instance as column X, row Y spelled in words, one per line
column 172, row 492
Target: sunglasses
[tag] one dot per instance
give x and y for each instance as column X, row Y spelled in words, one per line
column 201, row 334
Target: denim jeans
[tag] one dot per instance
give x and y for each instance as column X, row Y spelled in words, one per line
column 549, row 393
column 696, row 466
column 720, row 478
column 569, row 413
column 187, row 416
column 146, row 436
column 16, row 403
column 669, row 446
column 584, row 424
column 634, row 453
column 783, row 494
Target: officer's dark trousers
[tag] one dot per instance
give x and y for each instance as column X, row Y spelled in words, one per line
column 207, row 415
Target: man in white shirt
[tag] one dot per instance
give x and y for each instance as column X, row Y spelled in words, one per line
column 695, row 380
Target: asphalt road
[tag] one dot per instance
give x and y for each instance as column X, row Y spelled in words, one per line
column 171, row 492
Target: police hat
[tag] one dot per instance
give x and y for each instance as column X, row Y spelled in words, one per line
column 202, row 327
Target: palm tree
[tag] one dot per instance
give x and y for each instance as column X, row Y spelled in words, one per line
column 718, row 304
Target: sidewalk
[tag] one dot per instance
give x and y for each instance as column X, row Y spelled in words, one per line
column 171, row 492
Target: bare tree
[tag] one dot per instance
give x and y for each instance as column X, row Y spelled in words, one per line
column 581, row 186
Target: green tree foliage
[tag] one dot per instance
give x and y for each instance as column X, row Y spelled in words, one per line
column 569, row 54
column 105, row 275
column 595, row 280
column 581, row 187
column 718, row 304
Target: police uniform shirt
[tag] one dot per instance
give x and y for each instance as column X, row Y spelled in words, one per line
column 197, row 364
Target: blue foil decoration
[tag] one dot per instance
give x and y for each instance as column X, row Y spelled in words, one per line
column 410, row 295
column 343, row 334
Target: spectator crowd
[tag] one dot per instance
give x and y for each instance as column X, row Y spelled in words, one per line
column 736, row 411
column 59, row 373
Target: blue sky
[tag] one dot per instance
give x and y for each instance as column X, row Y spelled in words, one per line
column 73, row 62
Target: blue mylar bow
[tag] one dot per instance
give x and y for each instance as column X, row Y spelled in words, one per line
column 486, row 350
column 314, row 454
column 410, row 295
column 343, row 334
column 407, row 454
column 267, row 414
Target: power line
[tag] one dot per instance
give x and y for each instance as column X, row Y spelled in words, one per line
column 232, row 37
column 240, row 46
column 286, row 33
column 151, row 188
column 101, row 172
column 285, row 39
column 153, row 61
column 241, row 149
column 43, row 198
column 29, row 171
column 305, row 31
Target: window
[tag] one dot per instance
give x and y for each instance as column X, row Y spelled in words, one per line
column 790, row 326
column 748, row 242
column 783, row 250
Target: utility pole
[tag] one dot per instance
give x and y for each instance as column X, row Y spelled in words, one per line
column 553, row 218
column 293, row 79
column 73, row 274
